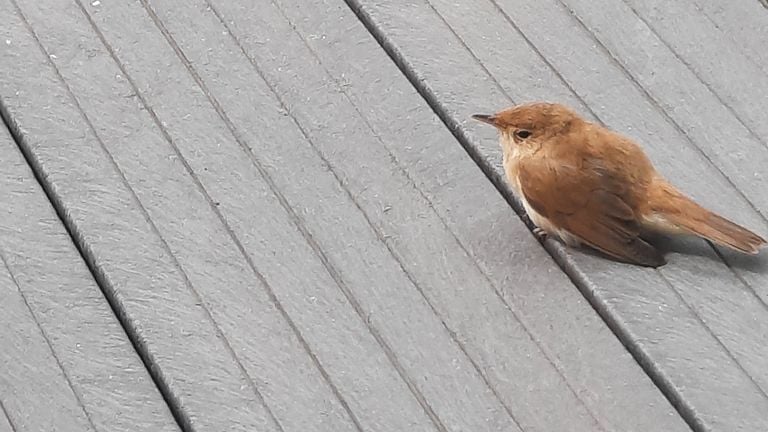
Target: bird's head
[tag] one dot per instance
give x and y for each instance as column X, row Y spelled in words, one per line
column 531, row 122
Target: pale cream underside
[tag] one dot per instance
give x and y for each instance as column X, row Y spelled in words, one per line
column 512, row 155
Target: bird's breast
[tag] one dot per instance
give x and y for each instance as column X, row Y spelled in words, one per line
column 511, row 162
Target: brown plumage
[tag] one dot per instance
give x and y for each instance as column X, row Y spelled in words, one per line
column 586, row 184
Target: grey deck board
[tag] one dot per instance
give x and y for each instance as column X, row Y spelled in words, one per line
column 706, row 85
column 217, row 386
column 341, row 45
column 734, row 148
column 201, row 374
column 65, row 364
column 31, row 377
column 713, row 59
column 298, row 251
column 5, row 423
column 376, row 285
column 745, row 23
column 697, row 324
column 269, row 239
column 452, row 189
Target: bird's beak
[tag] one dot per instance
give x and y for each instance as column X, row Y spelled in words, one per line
column 485, row 118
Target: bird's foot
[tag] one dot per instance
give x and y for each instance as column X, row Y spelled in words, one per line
column 540, row 233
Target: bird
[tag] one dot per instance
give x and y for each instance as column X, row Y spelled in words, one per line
column 588, row 185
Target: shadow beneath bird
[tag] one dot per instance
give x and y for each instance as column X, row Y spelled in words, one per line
column 688, row 245
column 593, row 186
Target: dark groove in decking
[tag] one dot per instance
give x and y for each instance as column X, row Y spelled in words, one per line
column 461, row 245
column 238, row 244
column 693, row 71
column 47, row 340
column 690, row 140
column 295, row 218
column 655, row 102
column 2, row 406
column 734, row 41
column 576, row 276
column 543, row 58
column 72, row 231
column 39, row 173
column 181, row 417
column 380, row 235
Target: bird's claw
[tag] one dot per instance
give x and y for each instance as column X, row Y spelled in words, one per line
column 540, row 233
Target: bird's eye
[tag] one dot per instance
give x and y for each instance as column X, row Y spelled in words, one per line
column 522, row 133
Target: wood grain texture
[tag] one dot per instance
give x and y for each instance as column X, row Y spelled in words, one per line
column 250, row 227
column 390, row 394
column 724, row 138
column 268, row 41
column 726, row 133
column 732, row 144
column 301, row 230
column 744, row 23
column 712, row 58
column 66, row 364
column 138, row 269
column 31, row 377
column 452, row 391
column 5, row 423
column 677, row 321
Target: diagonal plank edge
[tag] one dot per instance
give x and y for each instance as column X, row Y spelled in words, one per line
column 362, row 284
column 448, row 94
column 292, row 50
column 5, row 422
column 56, row 321
column 160, row 288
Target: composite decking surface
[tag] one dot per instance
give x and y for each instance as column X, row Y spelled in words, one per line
column 65, row 362
column 295, row 226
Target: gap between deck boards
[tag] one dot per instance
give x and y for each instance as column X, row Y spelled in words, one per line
column 173, row 405
column 557, row 252
column 551, row 246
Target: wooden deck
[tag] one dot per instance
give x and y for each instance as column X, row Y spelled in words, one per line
column 226, row 215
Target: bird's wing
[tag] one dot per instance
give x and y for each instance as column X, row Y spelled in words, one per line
column 590, row 202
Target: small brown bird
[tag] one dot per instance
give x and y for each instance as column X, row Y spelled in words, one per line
column 588, row 185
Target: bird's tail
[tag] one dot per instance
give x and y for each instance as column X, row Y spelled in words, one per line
column 672, row 211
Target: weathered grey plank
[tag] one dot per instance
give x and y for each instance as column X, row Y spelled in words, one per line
column 338, row 336
column 715, row 129
column 31, row 379
column 235, row 186
column 268, row 40
column 427, row 160
column 711, row 55
column 744, row 22
column 401, row 415
column 67, row 363
column 362, row 263
column 5, row 423
column 173, row 325
column 658, row 313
